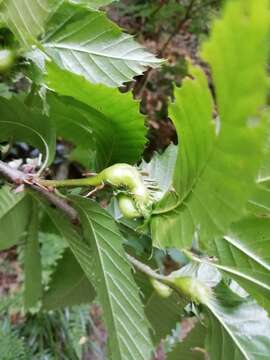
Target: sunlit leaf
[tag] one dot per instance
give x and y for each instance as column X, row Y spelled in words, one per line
column 87, row 43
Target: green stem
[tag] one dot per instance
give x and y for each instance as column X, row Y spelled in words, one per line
column 89, row 181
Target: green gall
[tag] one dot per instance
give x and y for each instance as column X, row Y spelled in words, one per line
column 127, row 207
column 7, row 59
column 127, row 177
column 193, row 288
column 162, row 289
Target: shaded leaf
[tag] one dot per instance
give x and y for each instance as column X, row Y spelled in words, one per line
column 69, row 285
column 15, row 212
column 32, row 261
column 191, row 347
column 163, row 314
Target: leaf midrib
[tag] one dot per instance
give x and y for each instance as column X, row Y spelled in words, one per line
column 83, row 50
column 105, row 279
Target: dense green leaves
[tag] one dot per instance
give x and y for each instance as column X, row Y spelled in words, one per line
column 87, row 43
column 204, row 183
column 15, row 211
column 215, row 171
column 17, row 122
column 113, row 118
column 116, row 290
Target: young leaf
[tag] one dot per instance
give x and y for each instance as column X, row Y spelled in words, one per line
column 26, row 18
column 69, row 285
column 215, row 171
column 116, row 289
column 191, row 347
column 244, row 255
column 161, row 169
column 104, row 118
column 239, row 332
column 87, row 43
column 15, row 212
column 17, row 122
column 32, row 261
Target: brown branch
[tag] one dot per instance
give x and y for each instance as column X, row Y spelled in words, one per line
column 19, row 178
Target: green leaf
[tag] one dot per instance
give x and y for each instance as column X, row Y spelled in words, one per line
column 87, row 43
column 105, row 120
column 240, row 333
column 17, row 122
column 26, row 18
column 92, row 4
column 191, row 347
column 53, row 247
column 244, row 255
column 14, row 216
column 32, row 262
column 163, row 314
column 116, row 289
column 105, row 266
column 69, row 285
column 239, row 93
column 259, row 202
column 161, row 169
column 215, row 171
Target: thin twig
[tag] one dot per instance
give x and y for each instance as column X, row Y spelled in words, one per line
column 18, row 177
column 14, row 175
column 146, row 269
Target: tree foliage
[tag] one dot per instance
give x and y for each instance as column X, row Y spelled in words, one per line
column 207, row 201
